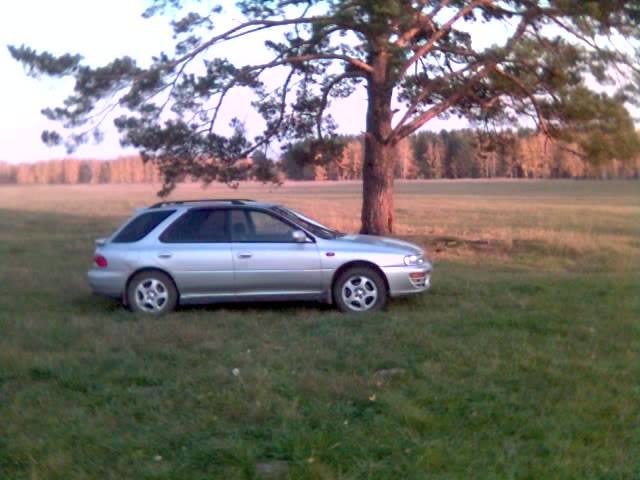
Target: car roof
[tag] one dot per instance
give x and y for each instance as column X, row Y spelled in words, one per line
column 210, row 202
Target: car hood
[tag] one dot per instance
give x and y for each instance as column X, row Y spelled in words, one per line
column 385, row 242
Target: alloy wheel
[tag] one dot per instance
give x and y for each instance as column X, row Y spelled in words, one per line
column 151, row 295
column 359, row 293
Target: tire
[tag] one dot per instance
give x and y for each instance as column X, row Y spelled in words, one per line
column 152, row 293
column 360, row 290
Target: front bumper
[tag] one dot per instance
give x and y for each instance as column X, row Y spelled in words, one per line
column 408, row 280
column 107, row 283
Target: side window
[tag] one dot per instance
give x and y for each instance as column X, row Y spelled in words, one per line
column 141, row 226
column 202, row 225
column 256, row 226
column 240, row 226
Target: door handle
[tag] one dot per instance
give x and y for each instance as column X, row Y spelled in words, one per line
column 164, row 255
column 245, row 255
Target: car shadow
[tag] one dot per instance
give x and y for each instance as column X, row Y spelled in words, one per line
column 267, row 306
column 112, row 305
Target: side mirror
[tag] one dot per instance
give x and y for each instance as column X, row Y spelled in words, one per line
column 299, row 236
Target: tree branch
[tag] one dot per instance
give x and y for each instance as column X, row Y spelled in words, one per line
column 444, row 30
column 259, row 25
column 427, row 91
column 325, row 97
column 401, row 131
column 541, row 121
column 359, row 64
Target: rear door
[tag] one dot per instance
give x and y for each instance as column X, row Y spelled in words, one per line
column 268, row 261
column 196, row 250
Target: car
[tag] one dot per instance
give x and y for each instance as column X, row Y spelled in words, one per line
column 204, row 251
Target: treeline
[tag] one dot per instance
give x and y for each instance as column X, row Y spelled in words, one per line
column 426, row 155
column 461, row 154
column 129, row 169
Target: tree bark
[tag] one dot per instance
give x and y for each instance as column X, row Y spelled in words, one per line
column 379, row 164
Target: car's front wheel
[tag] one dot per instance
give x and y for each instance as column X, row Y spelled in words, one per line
column 152, row 292
column 359, row 290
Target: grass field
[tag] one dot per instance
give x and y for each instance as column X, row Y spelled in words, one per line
column 523, row 361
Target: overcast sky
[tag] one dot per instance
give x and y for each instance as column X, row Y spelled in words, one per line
column 100, row 31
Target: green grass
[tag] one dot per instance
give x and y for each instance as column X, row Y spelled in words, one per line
column 522, row 362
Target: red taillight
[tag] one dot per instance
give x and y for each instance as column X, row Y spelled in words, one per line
column 100, row 261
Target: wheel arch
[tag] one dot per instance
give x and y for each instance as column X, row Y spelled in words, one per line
column 357, row 263
column 125, row 300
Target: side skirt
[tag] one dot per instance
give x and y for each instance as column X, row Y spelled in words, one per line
column 253, row 297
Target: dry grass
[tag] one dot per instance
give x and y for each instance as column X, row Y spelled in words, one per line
column 564, row 219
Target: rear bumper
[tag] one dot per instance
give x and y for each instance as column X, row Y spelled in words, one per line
column 401, row 283
column 107, row 283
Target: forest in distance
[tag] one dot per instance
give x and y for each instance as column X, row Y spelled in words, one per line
column 426, row 155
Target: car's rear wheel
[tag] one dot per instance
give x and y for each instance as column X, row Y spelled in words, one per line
column 360, row 290
column 152, row 292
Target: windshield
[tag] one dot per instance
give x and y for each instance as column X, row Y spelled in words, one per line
column 308, row 224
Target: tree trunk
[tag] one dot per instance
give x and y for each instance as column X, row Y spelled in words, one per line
column 378, row 168
column 377, row 188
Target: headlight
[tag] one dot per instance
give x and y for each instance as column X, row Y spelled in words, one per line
column 414, row 260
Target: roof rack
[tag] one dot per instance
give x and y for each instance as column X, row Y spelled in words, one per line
column 233, row 201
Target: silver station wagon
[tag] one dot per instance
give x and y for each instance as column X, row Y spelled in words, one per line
column 202, row 251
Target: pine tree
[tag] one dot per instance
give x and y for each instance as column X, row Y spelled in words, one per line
column 421, row 53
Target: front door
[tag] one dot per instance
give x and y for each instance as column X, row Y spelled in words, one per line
column 268, row 261
column 196, row 250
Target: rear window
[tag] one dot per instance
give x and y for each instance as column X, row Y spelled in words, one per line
column 201, row 225
column 141, row 226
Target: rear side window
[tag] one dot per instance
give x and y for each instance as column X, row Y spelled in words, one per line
column 141, row 226
column 202, row 225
